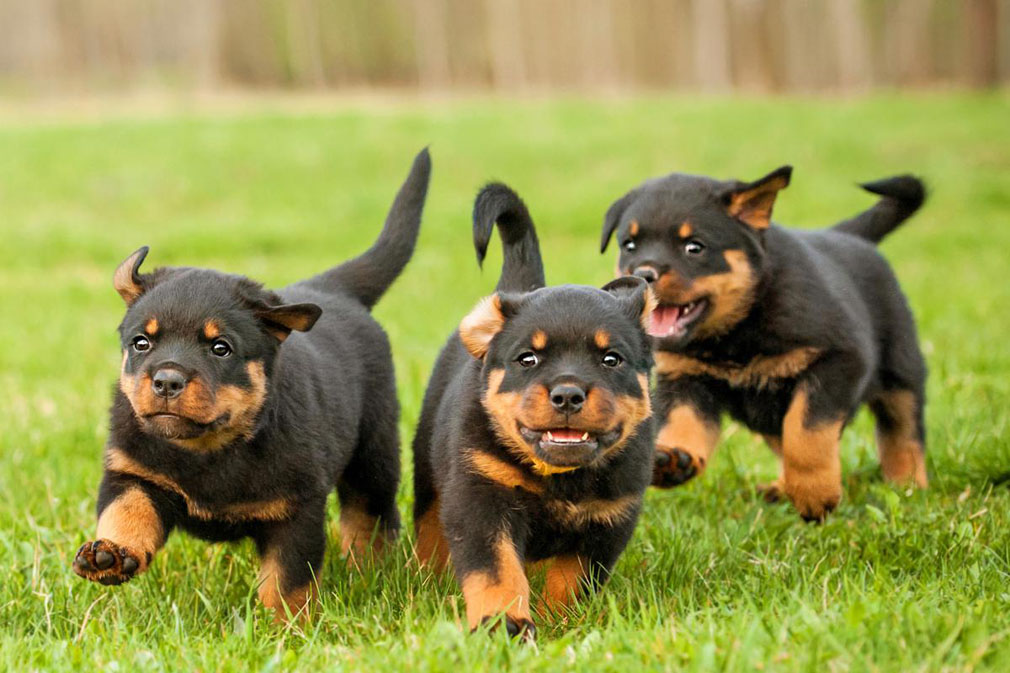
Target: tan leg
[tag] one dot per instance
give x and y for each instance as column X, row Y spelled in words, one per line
column 684, row 445
column 360, row 536
column 811, row 465
column 432, row 549
column 563, row 581
column 277, row 594
column 128, row 535
column 505, row 590
column 899, row 442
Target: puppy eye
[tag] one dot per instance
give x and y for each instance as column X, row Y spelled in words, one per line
column 141, row 344
column 612, row 359
column 694, row 247
column 528, row 359
column 221, row 348
column 630, row 246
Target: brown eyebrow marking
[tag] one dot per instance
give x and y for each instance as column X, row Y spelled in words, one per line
column 633, row 228
column 602, row 338
column 211, row 329
column 151, row 326
column 685, row 230
column 539, row 340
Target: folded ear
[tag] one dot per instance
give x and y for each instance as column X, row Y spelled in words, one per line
column 752, row 203
column 486, row 320
column 637, row 297
column 282, row 320
column 127, row 279
column 613, row 217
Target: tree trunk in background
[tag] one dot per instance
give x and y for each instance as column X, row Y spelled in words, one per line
column 505, row 42
column 751, row 65
column 852, row 63
column 980, row 42
column 711, row 45
column 431, row 44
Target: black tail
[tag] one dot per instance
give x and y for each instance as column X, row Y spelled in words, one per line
column 369, row 275
column 522, row 268
column 902, row 196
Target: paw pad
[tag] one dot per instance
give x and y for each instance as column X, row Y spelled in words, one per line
column 674, row 466
column 105, row 562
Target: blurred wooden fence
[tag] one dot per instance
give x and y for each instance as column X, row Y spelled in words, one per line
column 83, row 46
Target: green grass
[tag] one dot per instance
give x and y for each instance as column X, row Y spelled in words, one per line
column 714, row 579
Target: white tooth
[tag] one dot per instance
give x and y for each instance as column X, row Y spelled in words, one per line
column 550, row 437
column 585, row 436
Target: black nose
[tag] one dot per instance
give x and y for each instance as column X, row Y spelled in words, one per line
column 168, row 383
column 567, row 398
column 647, row 272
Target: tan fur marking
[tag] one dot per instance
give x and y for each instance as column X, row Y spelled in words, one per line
column 650, row 304
column 359, row 537
column 505, row 590
column 686, row 429
column 602, row 339
column 151, row 327
column 539, row 340
column 278, row 509
column 198, row 403
column 211, row 330
column 131, row 522
column 633, row 228
column 122, row 279
column 481, row 325
column 564, row 581
column 595, row 511
column 432, row 548
column 501, row 472
column 730, row 294
column 811, row 465
column 757, row 373
column 902, row 459
column 271, row 593
column 685, row 230
column 754, row 206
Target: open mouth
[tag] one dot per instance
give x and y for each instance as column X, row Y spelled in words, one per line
column 674, row 320
column 567, row 447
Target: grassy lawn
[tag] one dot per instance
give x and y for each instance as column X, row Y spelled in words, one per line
column 714, row 579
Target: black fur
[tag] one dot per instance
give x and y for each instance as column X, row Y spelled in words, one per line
column 328, row 416
column 455, row 423
column 829, row 291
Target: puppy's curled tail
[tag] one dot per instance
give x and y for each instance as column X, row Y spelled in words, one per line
column 369, row 275
column 522, row 268
column 901, row 196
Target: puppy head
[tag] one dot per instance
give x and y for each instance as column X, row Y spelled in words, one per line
column 565, row 376
column 700, row 244
column 198, row 346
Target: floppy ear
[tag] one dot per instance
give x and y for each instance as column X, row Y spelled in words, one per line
column 282, row 320
column 127, row 280
column 752, row 203
column 636, row 295
column 613, row 217
column 481, row 325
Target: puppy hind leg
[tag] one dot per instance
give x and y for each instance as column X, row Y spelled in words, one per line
column 900, row 440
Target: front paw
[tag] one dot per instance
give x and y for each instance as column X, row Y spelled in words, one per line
column 517, row 627
column 674, row 466
column 814, row 501
column 105, row 562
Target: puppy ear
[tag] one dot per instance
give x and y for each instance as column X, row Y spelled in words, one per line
column 637, row 297
column 280, row 321
column 127, row 279
column 613, row 217
column 752, row 203
column 486, row 320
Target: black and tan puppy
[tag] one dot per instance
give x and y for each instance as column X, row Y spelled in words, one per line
column 789, row 332
column 535, row 441
column 232, row 419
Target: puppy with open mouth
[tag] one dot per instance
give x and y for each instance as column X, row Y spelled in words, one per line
column 232, row 419
column 788, row 332
column 535, row 439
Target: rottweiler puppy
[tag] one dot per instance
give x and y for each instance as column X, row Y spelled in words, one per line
column 788, row 332
column 535, row 441
column 231, row 419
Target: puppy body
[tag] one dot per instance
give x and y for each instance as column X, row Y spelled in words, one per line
column 787, row 331
column 231, row 419
column 494, row 487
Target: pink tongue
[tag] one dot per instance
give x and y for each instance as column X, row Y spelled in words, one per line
column 566, row 434
column 663, row 320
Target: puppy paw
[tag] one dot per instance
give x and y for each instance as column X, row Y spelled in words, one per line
column 105, row 562
column 813, row 504
column 773, row 491
column 674, row 466
column 520, row 628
